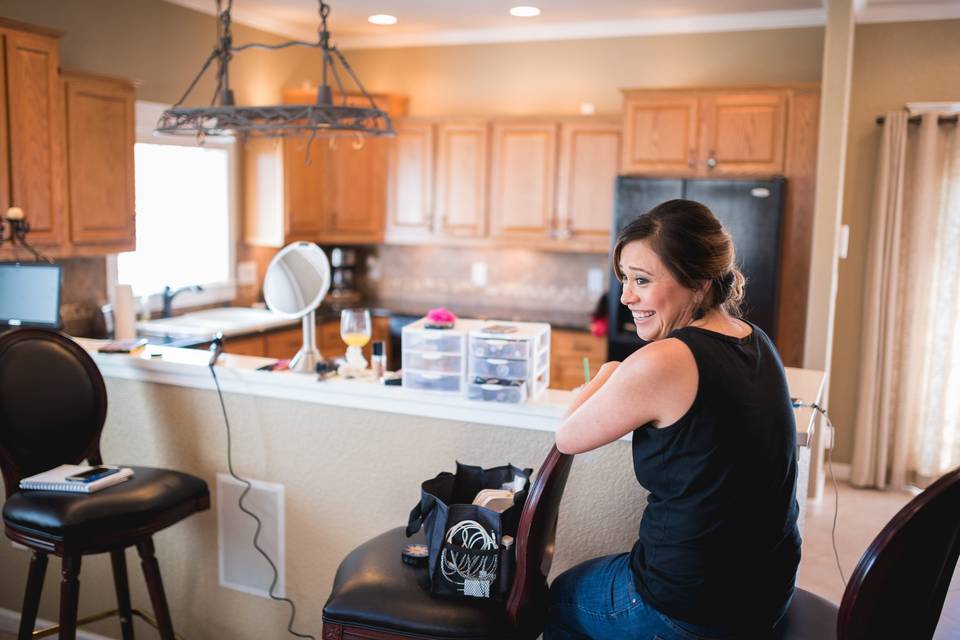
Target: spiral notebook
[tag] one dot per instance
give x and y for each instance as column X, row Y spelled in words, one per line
column 56, row 479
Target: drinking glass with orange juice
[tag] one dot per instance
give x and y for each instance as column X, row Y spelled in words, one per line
column 355, row 331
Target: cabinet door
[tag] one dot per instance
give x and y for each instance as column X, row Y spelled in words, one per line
column 329, row 341
column 100, row 139
column 567, row 351
column 461, row 200
column 660, row 133
column 283, row 344
column 245, row 345
column 589, row 159
column 358, row 167
column 410, row 183
column 523, row 180
column 36, row 134
column 743, row 134
column 307, row 187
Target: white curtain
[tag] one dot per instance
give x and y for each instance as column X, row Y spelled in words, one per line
column 908, row 418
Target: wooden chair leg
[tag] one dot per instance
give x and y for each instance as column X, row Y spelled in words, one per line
column 119, row 562
column 31, row 599
column 69, row 596
column 151, row 571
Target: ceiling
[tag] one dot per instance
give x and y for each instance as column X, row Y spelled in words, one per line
column 439, row 22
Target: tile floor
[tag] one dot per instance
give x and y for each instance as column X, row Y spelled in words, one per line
column 863, row 513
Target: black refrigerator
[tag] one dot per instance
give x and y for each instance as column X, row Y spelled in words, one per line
column 751, row 210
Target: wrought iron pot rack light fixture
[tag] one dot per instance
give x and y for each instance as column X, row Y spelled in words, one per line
column 326, row 116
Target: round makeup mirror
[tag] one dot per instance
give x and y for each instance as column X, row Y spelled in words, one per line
column 296, row 282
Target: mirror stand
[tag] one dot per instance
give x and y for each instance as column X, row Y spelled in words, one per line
column 308, row 356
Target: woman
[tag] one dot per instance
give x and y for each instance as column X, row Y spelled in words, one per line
column 713, row 442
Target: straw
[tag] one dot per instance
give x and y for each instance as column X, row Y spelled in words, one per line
column 586, row 369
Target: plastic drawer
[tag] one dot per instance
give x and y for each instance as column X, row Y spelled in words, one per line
column 497, row 393
column 432, row 361
column 494, row 348
column 432, row 340
column 499, row 368
column 432, row 381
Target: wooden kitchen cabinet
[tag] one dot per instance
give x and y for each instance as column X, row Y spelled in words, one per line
column 660, row 132
column 253, row 345
column 552, row 182
column 461, row 188
column 743, row 134
column 438, row 182
column 523, row 179
column 32, row 171
column 567, row 351
column 100, row 143
column 705, row 132
column 335, row 194
column 410, row 182
column 589, row 157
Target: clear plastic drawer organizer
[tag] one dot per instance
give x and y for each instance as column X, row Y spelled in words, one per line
column 482, row 360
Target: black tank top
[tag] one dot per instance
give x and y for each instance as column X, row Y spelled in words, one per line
column 719, row 542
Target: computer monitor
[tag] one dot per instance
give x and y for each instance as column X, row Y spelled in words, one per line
column 29, row 295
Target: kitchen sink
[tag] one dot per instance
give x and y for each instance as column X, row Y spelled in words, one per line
column 228, row 320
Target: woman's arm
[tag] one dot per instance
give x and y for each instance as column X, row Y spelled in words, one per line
column 655, row 383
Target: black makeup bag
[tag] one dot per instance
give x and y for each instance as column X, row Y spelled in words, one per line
column 468, row 557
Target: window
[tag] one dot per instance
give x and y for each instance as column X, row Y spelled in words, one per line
column 186, row 219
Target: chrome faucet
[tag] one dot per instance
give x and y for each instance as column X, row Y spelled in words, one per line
column 169, row 294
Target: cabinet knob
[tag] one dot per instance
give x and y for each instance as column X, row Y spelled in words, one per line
column 711, row 161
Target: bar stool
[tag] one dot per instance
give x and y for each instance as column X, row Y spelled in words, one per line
column 53, row 404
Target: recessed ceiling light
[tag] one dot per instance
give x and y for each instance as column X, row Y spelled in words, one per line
column 524, row 12
column 382, row 18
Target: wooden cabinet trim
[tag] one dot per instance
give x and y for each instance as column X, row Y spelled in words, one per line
column 568, row 180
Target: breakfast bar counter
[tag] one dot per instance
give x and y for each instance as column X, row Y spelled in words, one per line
column 347, row 456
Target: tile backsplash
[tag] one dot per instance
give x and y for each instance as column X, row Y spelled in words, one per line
column 473, row 279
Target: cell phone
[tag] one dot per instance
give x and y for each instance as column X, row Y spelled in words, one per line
column 92, row 474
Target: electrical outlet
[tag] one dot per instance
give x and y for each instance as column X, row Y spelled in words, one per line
column 247, row 273
column 478, row 274
column 595, row 283
column 829, row 437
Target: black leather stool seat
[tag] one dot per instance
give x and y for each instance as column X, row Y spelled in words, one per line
column 83, row 518
column 375, row 589
column 809, row 617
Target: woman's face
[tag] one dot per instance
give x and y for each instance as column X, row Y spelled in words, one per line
column 658, row 302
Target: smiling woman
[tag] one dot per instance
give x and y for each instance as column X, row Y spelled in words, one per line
column 713, row 441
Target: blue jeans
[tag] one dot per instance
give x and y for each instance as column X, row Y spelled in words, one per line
column 598, row 600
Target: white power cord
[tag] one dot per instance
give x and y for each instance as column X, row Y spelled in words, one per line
column 833, row 478
column 472, row 575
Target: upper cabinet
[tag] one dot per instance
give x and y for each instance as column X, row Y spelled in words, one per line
column 66, row 149
column 660, row 132
column 589, row 156
column 523, row 180
column 325, row 190
column 705, row 132
column 552, row 182
column 437, row 181
column 100, row 143
column 32, row 138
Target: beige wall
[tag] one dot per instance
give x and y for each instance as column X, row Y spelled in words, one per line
column 160, row 44
column 348, row 475
column 893, row 64
column 556, row 77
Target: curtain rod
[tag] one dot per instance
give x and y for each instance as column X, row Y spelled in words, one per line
column 916, row 119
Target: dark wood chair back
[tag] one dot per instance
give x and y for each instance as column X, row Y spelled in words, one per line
column 53, row 404
column 534, row 544
column 899, row 586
